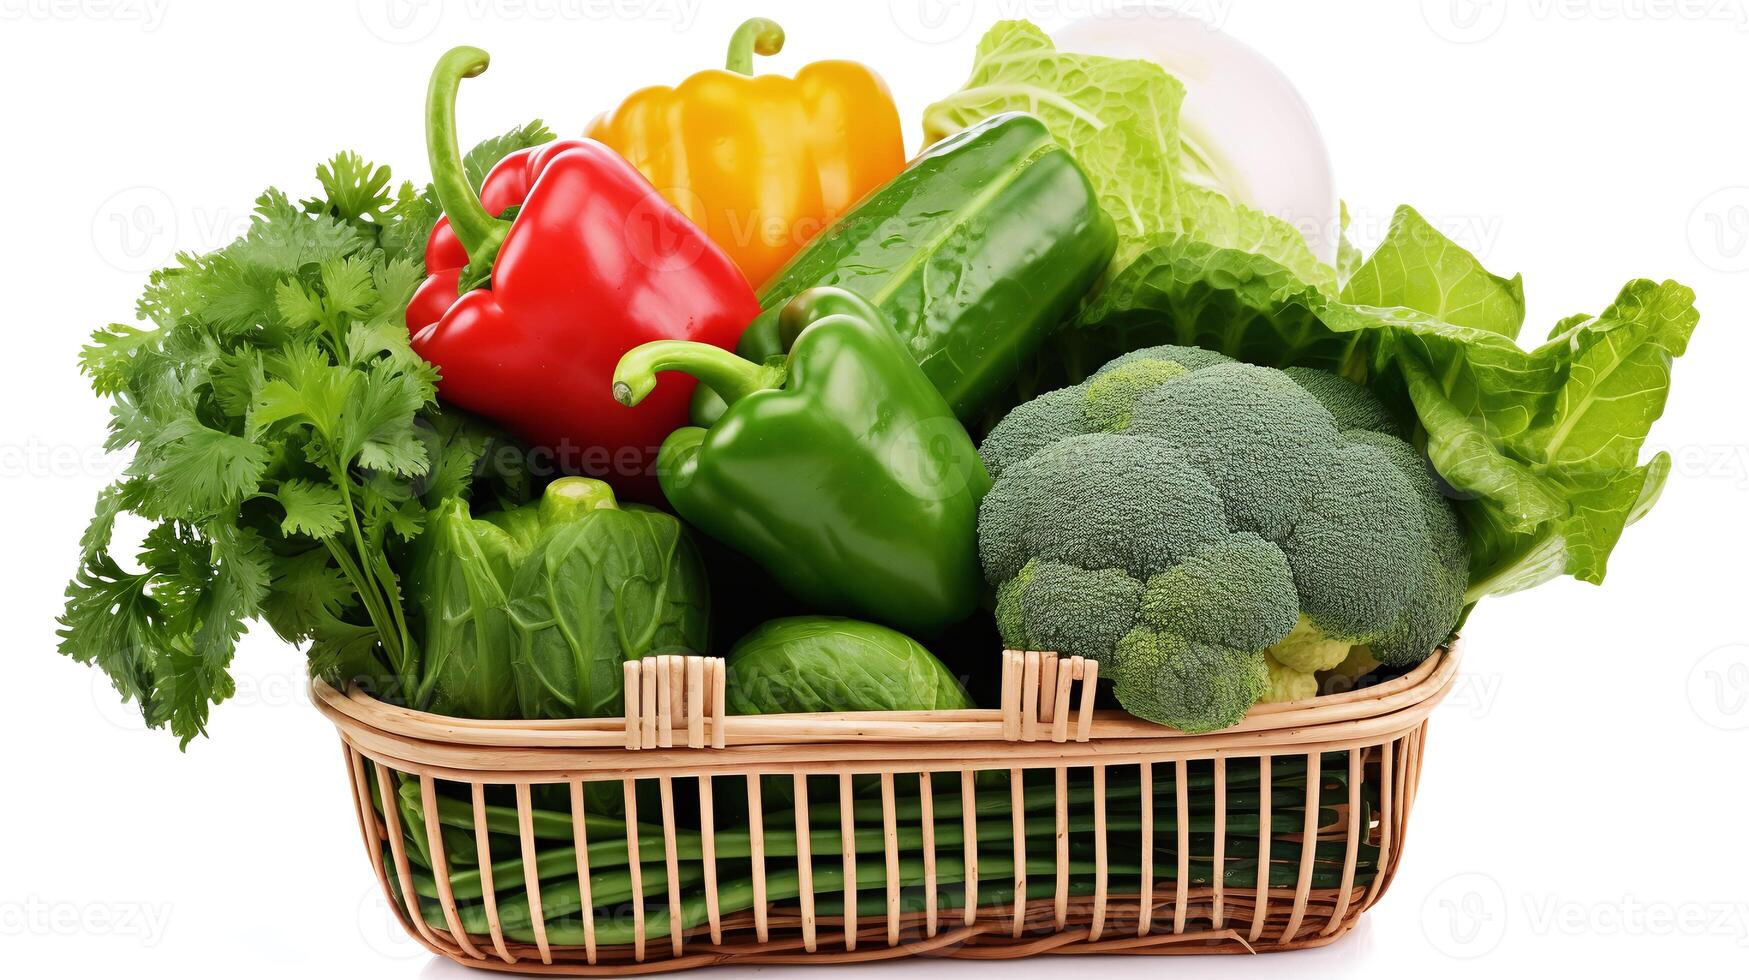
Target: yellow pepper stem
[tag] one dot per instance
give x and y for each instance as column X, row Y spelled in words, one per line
column 759, row 35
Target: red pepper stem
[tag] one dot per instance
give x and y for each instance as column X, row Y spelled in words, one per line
column 479, row 233
column 756, row 36
column 732, row 377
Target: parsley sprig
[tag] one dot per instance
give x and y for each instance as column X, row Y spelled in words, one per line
column 286, row 442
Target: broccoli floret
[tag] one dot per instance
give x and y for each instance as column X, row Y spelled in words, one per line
column 1215, row 532
column 1237, row 592
column 1190, row 358
column 1081, row 500
column 1061, row 605
column 1263, row 441
column 1359, row 547
column 1288, row 683
column 1307, row 649
column 1192, row 686
column 1011, row 611
column 1352, row 406
column 1111, row 395
column 1417, row 630
column 1032, row 426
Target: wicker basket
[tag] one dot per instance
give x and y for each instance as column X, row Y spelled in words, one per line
column 1172, row 843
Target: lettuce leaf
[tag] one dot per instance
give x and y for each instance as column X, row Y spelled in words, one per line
column 1540, row 448
column 1119, row 118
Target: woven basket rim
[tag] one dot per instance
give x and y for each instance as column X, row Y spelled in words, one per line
column 424, row 737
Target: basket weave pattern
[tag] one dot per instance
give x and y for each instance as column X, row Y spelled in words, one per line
column 1275, row 834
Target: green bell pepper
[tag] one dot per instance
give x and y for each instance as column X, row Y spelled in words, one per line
column 839, row 469
column 974, row 254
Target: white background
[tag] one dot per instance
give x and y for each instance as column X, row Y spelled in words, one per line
column 1584, row 797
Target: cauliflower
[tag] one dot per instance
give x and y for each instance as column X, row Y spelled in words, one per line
column 1215, row 533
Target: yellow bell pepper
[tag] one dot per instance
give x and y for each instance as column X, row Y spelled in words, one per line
column 761, row 163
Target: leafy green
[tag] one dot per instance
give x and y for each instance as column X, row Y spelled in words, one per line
column 825, row 663
column 1119, row 118
column 1417, row 267
column 458, row 587
column 286, row 442
column 1540, row 448
column 612, row 586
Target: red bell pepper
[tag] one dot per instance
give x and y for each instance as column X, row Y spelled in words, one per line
column 526, row 318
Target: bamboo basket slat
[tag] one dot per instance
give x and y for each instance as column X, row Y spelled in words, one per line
column 1070, row 830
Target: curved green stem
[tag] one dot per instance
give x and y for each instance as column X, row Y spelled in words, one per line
column 479, row 233
column 756, row 36
column 730, row 376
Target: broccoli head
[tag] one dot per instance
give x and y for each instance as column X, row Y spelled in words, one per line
column 1216, row 533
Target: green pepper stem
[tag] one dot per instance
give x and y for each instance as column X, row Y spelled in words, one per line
column 570, row 497
column 756, row 36
column 479, row 233
column 732, row 377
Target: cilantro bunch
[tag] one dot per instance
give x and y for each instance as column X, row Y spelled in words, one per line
column 287, row 444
